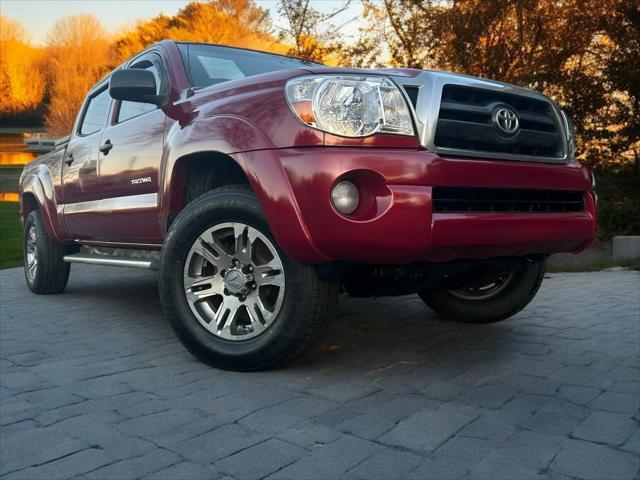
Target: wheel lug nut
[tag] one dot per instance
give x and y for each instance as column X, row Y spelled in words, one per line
column 226, row 292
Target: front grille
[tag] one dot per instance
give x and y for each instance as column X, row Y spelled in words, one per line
column 466, row 123
column 462, row 199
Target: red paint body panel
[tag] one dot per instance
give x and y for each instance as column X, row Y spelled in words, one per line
column 402, row 228
column 258, row 100
column 40, row 185
column 273, row 189
column 292, row 168
column 396, row 72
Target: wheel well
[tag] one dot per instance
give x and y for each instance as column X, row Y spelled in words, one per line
column 29, row 204
column 199, row 173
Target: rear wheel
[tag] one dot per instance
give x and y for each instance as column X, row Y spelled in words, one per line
column 45, row 270
column 234, row 299
column 490, row 300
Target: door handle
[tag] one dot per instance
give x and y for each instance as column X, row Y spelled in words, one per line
column 69, row 160
column 106, row 146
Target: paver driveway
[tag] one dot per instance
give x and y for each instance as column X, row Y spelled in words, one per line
column 95, row 385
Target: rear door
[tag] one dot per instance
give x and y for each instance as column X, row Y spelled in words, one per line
column 80, row 178
column 130, row 156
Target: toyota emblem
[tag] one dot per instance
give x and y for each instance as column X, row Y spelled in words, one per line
column 506, row 120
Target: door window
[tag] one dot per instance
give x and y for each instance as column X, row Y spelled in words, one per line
column 129, row 110
column 95, row 113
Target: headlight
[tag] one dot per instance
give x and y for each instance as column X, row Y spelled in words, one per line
column 351, row 106
column 570, row 134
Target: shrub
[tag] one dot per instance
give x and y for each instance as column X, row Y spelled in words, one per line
column 618, row 189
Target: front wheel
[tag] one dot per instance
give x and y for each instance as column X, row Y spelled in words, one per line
column 489, row 301
column 233, row 297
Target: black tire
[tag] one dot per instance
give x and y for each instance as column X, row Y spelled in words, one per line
column 515, row 295
column 308, row 299
column 50, row 274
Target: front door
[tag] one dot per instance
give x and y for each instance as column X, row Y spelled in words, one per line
column 130, row 156
column 80, row 178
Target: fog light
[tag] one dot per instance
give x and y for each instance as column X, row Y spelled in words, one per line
column 345, row 197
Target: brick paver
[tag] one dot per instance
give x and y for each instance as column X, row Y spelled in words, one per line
column 94, row 384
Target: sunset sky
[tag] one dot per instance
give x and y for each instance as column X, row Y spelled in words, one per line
column 39, row 15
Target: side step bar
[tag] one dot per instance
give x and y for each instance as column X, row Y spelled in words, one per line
column 116, row 257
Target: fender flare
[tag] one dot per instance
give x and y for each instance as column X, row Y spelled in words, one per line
column 273, row 189
column 40, row 185
column 255, row 154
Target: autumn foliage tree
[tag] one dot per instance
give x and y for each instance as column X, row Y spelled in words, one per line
column 79, row 52
column 22, row 85
column 239, row 23
column 77, row 56
column 311, row 32
column 621, row 68
column 569, row 49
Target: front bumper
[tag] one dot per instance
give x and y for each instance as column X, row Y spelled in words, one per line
column 398, row 226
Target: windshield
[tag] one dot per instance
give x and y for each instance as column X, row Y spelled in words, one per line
column 211, row 64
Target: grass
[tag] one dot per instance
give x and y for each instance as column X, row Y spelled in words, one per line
column 9, row 176
column 10, row 235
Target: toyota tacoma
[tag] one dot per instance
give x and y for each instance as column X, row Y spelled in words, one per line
column 261, row 186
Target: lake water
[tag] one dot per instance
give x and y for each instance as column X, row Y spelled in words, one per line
column 13, row 150
column 13, row 156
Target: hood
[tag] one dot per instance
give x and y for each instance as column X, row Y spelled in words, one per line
column 396, row 72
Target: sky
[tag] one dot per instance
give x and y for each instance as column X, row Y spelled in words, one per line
column 38, row 16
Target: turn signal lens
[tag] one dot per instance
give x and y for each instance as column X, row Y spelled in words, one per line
column 349, row 105
column 304, row 111
column 345, row 197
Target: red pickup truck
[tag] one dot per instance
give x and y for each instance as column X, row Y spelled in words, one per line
column 261, row 186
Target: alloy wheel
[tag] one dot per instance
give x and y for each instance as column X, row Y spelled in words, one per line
column 234, row 281
column 32, row 253
column 484, row 292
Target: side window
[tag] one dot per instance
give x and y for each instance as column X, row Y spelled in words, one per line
column 133, row 109
column 211, row 64
column 96, row 113
column 219, row 69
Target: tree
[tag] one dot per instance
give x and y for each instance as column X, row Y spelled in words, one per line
column 77, row 57
column 21, row 83
column 239, row 23
column 621, row 67
column 579, row 52
column 313, row 35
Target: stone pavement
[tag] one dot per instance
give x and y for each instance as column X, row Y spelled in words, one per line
column 94, row 385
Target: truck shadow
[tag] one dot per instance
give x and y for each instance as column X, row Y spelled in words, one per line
column 372, row 336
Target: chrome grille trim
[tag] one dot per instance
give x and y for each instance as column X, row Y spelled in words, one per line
column 427, row 108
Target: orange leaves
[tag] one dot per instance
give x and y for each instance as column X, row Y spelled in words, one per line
column 21, row 84
column 239, row 23
column 77, row 57
column 79, row 52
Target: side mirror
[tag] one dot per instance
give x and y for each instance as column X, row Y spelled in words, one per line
column 134, row 85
